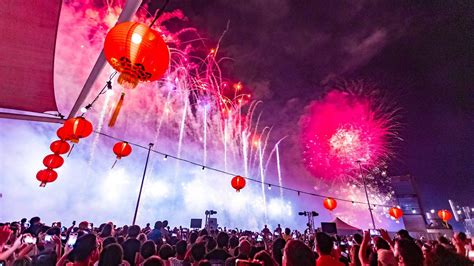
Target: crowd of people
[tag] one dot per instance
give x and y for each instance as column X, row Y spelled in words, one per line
column 34, row 243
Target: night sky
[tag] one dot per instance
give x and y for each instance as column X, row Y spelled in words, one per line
column 420, row 54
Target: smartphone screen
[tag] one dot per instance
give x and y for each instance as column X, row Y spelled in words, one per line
column 174, row 235
column 48, row 238
column 72, row 240
column 374, row 232
column 259, row 238
column 29, row 240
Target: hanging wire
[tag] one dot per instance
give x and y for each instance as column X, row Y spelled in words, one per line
column 233, row 174
column 159, row 12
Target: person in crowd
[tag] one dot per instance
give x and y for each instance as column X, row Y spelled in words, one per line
column 35, row 226
column 142, row 238
column 155, row 234
column 211, row 244
column 166, row 252
column 146, row 229
column 219, row 255
column 197, row 253
column 287, row 234
column 148, row 249
column 385, row 256
column 24, row 261
column 233, row 245
column 265, row 231
column 131, row 246
column 84, row 252
column 266, row 258
column 164, row 230
column 354, row 251
column 296, row 253
column 278, row 230
column 460, row 241
column 111, row 255
column 244, row 251
column 277, row 250
column 109, row 240
column 408, row 252
column 180, row 254
column 153, row 261
column 440, row 256
column 325, row 249
column 193, row 236
column 107, row 230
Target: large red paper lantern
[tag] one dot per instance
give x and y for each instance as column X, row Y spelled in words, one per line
column 395, row 212
column 77, row 128
column 53, row 161
column 330, row 204
column 122, row 149
column 46, row 176
column 238, row 183
column 59, row 147
column 445, row 215
column 137, row 52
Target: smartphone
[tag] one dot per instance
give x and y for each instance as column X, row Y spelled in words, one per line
column 294, row 236
column 335, row 245
column 174, row 235
column 259, row 238
column 63, row 237
column 164, row 240
column 29, row 240
column 72, row 240
column 276, row 233
column 374, row 232
column 48, row 238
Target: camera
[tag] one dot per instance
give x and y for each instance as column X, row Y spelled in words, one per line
column 308, row 213
column 210, row 212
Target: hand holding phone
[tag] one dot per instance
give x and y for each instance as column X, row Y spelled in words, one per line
column 374, row 232
column 28, row 239
column 72, row 240
column 48, row 238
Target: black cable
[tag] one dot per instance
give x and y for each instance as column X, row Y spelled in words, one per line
column 247, row 178
column 160, row 12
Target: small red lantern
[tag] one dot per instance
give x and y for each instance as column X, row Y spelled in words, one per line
column 77, row 128
column 59, row 147
column 238, row 183
column 46, row 176
column 330, row 203
column 122, row 149
column 137, row 52
column 445, row 215
column 395, row 212
column 53, row 161
column 62, row 134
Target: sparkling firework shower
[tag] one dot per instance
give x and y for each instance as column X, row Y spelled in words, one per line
column 342, row 128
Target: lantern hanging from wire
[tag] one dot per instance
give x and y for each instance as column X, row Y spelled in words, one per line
column 445, row 215
column 238, row 183
column 121, row 149
column 330, row 203
column 77, row 128
column 138, row 53
column 395, row 212
column 53, row 161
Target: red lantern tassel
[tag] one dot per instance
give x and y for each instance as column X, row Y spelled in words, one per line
column 113, row 119
column 43, row 184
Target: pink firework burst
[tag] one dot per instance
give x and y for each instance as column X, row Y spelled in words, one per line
column 345, row 126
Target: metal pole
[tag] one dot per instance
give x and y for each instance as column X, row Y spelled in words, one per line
column 143, row 181
column 366, row 194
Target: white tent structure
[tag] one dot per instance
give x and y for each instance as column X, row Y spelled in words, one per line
column 27, row 51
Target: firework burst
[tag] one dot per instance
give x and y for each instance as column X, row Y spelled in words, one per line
column 350, row 124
